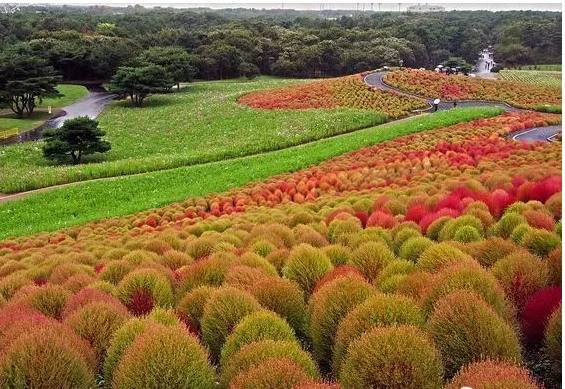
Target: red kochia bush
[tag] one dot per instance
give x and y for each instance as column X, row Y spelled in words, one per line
column 337, row 272
column 273, row 373
column 87, row 296
column 491, row 374
column 541, row 190
column 536, row 313
column 381, row 219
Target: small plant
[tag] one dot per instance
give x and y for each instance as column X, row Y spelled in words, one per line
column 272, row 373
column 371, row 257
column 402, row 356
column 191, row 307
column 412, row 248
column 493, row 374
column 306, row 265
column 143, row 289
column 165, row 356
column 536, row 313
column 76, row 138
column 466, row 329
column 552, row 343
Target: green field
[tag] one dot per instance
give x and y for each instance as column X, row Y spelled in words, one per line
column 536, row 77
column 202, row 123
column 83, row 202
column 71, row 93
column 552, row 67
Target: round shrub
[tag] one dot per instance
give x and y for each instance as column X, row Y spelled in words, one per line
column 338, row 228
column 78, row 281
column 143, row 289
column 285, row 298
column 47, row 357
column 206, row 272
column 490, row 374
column 377, row 311
column 115, row 271
column 328, row 307
column 306, row 265
column 452, row 226
column 520, row 274
column 262, row 247
column 257, row 262
column 278, row 258
column 553, row 205
column 385, row 357
column 435, row 227
column 507, row 223
column 273, row 373
column 244, row 277
column 554, row 264
column 472, row 278
column 254, row 327
column 48, row 299
column 536, row 313
column 317, row 385
column 403, row 235
column 10, row 284
column 256, row 353
column 191, row 307
column 393, row 269
column 96, row 323
column 440, row 255
column 338, row 254
column 86, row 296
column 165, row 357
column 337, row 272
column 487, row 252
column 467, row 234
column 174, row 259
column 552, row 343
column 540, row 242
column 225, row 307
column 371, row 257
column 412, row 248
column 466, row 329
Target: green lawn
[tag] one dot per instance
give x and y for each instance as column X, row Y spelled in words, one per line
column 100, row 199
column 71, row 93
column 536, row 77
column 202, row 123
column 552, row 67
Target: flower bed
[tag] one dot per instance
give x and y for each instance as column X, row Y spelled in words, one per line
column 348, row 91
column 458, row 87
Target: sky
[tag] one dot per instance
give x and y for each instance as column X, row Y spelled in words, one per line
column 548, row 5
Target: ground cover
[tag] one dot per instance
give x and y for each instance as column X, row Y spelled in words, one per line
column 70, row 94
column 536, row 77
column 203, row 123
column 542, row 67
column 348, row 91
column 91, row 200
column 442, row 246
column 459, row 87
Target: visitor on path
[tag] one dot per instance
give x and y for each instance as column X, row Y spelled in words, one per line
column 455, row 104
column 436, row 104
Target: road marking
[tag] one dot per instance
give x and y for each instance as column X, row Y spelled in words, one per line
column 524, row 133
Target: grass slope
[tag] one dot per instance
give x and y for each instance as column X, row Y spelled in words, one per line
column 202, row 123
column 94, row 200
column 536, row 77
column 71, row 93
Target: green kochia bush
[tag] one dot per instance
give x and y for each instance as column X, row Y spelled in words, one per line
column 143, row 289
column 254, row 327
column 222, row 312
column 392, row 357
column 493, row 374
column 256, row 353
column 371, row 257
column 328, row 306
column 540, row 242
column 164, row 357
column 552, row 344
column 378, row 310
column 273, row 373
column 412, row 248
column 466, row 329
column 450, row 228
column 306, row 265
column 435, row 257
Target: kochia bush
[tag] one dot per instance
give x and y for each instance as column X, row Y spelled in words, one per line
column 401, row 357
column 493, row 374
column 306, row 265
column 143, row 289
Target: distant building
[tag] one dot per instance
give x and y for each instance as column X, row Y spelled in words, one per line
column 425, row 8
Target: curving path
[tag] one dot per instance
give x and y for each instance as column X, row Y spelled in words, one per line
column 532, row 135
column 92, row 106
column 376, row 80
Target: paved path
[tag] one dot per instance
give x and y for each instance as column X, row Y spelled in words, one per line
column 92, row 105
column 537, row 134
column 376, row 80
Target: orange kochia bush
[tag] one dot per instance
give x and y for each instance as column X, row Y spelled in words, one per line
column 459, row 87
column 348, row 91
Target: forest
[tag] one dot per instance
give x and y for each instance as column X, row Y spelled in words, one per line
column 83, row 43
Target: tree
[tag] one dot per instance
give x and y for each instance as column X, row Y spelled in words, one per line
column 25, row 79
column 248, row 70
column 140, row 82
column 458, row 62
column 76, row 138
column 175, row 60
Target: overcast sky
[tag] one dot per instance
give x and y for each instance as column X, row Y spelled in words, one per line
column 552, row 5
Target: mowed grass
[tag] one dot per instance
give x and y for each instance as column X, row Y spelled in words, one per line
column 83, row 202
column 536, row 77
column 550, row 67
column 201, row 123
column 70, row 94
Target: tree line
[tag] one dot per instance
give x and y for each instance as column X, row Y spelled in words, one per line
column 91, row 43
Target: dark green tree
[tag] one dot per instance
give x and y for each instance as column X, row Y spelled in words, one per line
column 248, row 70
column 25, row 78
column 140, row 82
column 175, row 60
column 76, row 138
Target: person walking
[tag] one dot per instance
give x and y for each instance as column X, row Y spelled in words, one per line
column 455, row 104
column 436, row 104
